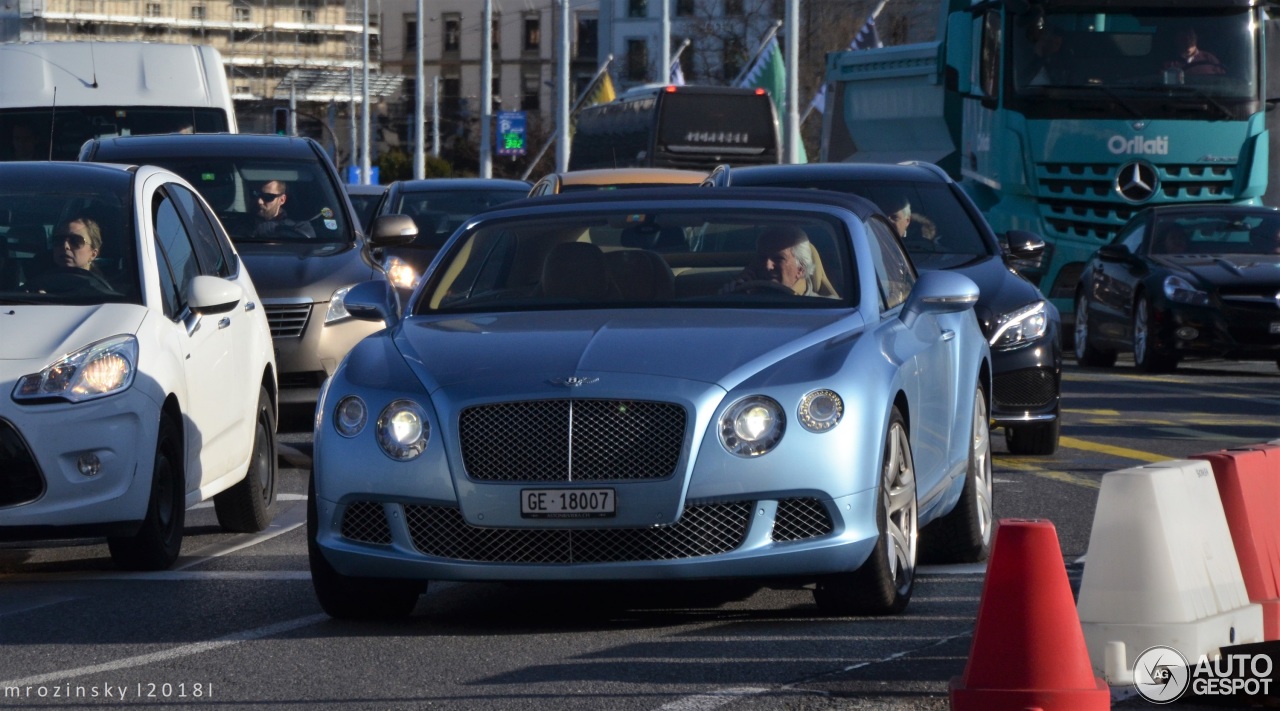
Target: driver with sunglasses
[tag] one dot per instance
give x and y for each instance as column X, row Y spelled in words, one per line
column 272, row 220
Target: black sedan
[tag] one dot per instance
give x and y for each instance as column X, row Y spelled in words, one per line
column 1183, row 281
column 942, row 229
column 438, row 206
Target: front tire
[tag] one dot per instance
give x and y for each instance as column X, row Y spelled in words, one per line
column 883, row 585
column 349, row 598
column 1145, row 356
column 964, row 534
column 1086, row 352
column 1040, row 439
column 249, row 505
column 156, row 544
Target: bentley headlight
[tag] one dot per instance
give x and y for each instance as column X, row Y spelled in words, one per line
column 1181, row 291
column 337, row 306
column 752, row 426
column 97, row 370
column 1018, row 328
column 403, row 430
column 349, row 416
column 401, row 274
column 820, row 410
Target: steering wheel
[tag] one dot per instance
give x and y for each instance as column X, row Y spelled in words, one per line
column 753, row 285
column 61, row 279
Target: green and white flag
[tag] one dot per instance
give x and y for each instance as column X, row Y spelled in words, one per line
column 769, row 73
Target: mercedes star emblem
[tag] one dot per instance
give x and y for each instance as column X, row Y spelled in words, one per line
column 1137, row 181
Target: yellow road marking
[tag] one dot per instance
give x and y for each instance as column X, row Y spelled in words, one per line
column 1124, row 452
column 1063, row 477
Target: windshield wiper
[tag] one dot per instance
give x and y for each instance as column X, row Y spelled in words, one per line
column 1191, row 92
column 1116, row 98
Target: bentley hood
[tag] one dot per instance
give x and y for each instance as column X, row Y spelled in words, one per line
column 709, row 346
column 47, row 332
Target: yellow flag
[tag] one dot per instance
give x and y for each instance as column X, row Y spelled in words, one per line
column 603, row 92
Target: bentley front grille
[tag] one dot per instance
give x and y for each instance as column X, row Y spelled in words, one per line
column 287, row 320
column 572, row 440
column 798, row 519
column 366, row 522
column 20, row 479
column 703, row 530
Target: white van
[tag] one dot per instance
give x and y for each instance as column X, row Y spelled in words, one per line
column 57, row 95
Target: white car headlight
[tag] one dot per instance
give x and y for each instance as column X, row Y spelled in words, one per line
column 97, row 370
column 350, row 416
column 337, row 306
column 820, row 410
column 752, row 426
column 1181, row 291
column 403, row 430
column 1018, row 328
column 400, row 273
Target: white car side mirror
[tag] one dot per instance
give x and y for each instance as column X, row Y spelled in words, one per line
column 213, row 295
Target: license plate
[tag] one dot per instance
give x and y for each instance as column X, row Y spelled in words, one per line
column 567, row 503
column 1275, row 326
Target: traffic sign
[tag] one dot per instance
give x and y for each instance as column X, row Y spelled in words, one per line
column 511, row 136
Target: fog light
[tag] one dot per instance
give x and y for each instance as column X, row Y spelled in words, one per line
column 1187, row 333
column 88, row 464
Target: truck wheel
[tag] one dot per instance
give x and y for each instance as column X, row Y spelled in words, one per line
column 883, row 585
column 249, row 506
column 156, row 544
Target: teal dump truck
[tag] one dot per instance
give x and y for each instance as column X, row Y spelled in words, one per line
column 1066, row 117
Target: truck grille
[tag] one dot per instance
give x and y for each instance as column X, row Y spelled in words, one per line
column 1079, row 199
column 702, row 530
column 20, row 479
column 287, row 320
column 571, row 440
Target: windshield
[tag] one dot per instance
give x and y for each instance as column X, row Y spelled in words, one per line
column 25, row 134
column 1155, row 63
column 438, row 213
column 67, row 242
column 1208, row 234
column 710, row 258
column 267, row 200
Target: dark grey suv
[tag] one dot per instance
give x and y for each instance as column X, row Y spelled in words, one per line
column 302, row 263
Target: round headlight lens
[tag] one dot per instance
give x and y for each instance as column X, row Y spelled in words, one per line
column 820, row 410
column 349, row 416
column 752, row 426
column 403, row 430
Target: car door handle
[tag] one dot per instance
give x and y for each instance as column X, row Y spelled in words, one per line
column 948, row 335
column 250, row 306
column 224, row 322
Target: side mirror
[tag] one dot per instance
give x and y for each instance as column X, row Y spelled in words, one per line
column 1024, row 245
column 392, row 231
column 939, row 292
column 373, row 301
column 213, row 295
column 1114, row 253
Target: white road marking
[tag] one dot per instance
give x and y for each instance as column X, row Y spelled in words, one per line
column 960, row 569
column 285, row 521
column 711, row 700
column 279, row 497
column 34, row 604
column 168, row 654
column 172, row 576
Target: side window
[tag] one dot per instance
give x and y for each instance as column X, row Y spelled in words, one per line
column 894, row 273
column 213, row 256
column 175, row 248
column 989, row 60
column 1133, row 238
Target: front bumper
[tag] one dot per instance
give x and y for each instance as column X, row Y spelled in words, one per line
column 1245, row 331
column 120, row 431
column 750, row 537
column 1027, row 382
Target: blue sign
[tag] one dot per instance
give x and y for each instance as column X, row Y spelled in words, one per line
column 511, row 137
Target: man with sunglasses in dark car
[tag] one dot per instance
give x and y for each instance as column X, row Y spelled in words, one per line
column 272, row 220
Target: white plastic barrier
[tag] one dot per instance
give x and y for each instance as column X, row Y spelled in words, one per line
column 1161, row 570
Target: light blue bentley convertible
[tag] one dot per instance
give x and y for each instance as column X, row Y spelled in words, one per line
column 662, row 384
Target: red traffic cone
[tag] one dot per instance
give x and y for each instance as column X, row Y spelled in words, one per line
column 1028, row 649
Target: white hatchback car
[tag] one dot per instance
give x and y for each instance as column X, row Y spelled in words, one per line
column 137, row 375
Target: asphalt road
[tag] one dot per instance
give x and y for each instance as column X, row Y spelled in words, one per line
column 235, row 623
